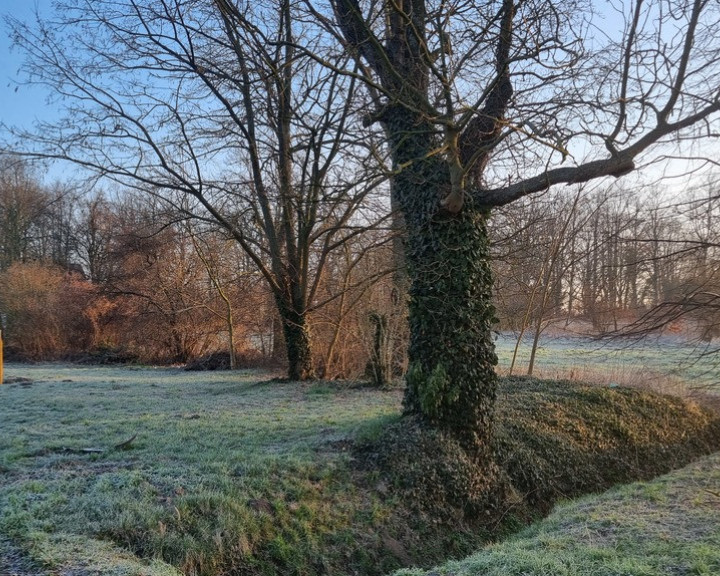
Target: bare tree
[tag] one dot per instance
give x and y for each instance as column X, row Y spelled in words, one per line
column 546, row 283
column 680, row 252
column 37, row 221
column 211, row 107
column 23, row 204
column 94, row 233
column 484, row 103
column 212, row 251
column 358, row 286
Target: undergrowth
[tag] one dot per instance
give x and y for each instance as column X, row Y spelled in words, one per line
column 228, row 475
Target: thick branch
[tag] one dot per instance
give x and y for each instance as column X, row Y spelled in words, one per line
column 359, row 36
column 477, row 139
column 617, row 165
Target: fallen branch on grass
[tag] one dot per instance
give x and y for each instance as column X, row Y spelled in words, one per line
column 84, row 450
column 124, row 445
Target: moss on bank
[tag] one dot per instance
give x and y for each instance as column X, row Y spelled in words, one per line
column 557, row 439
column 554, row 440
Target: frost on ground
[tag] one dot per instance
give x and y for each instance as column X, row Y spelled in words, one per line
column 13, row 563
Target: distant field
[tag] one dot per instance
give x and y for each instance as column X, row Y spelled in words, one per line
column 664, row 364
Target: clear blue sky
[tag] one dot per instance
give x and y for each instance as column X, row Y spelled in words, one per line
column 19, row 105
column 22, row 105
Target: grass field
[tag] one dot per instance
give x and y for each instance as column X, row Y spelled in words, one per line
column 666, row 364
column 157, row 471
column 218, row 448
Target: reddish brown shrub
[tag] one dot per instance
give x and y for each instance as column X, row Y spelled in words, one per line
column 49, row 313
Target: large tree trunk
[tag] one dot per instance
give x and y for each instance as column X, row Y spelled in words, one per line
column 451, row 378
column 297, row 342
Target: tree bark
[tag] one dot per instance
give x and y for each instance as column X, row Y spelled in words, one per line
column 297, row 341
column 451, row 380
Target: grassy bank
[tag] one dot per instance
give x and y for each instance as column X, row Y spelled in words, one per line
column 665, row 527
column 160, row 471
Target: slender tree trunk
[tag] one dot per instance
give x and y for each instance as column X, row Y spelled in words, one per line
column 330, row 354
column 571, row 281
column 524, row 325
column 379, row 362
column 231, row 331
column 278, row 352
column 551, row 285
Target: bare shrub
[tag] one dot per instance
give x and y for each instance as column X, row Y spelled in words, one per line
column 50, row 313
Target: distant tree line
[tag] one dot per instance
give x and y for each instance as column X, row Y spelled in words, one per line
column 123, row 277
column 616, row 259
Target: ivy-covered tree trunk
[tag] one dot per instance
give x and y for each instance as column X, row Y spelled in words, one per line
column 451, row 380
column 451, row 377
column 297, row 341
column 441, row 80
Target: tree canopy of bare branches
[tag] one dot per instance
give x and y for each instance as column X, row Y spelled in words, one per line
column 211, row 107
